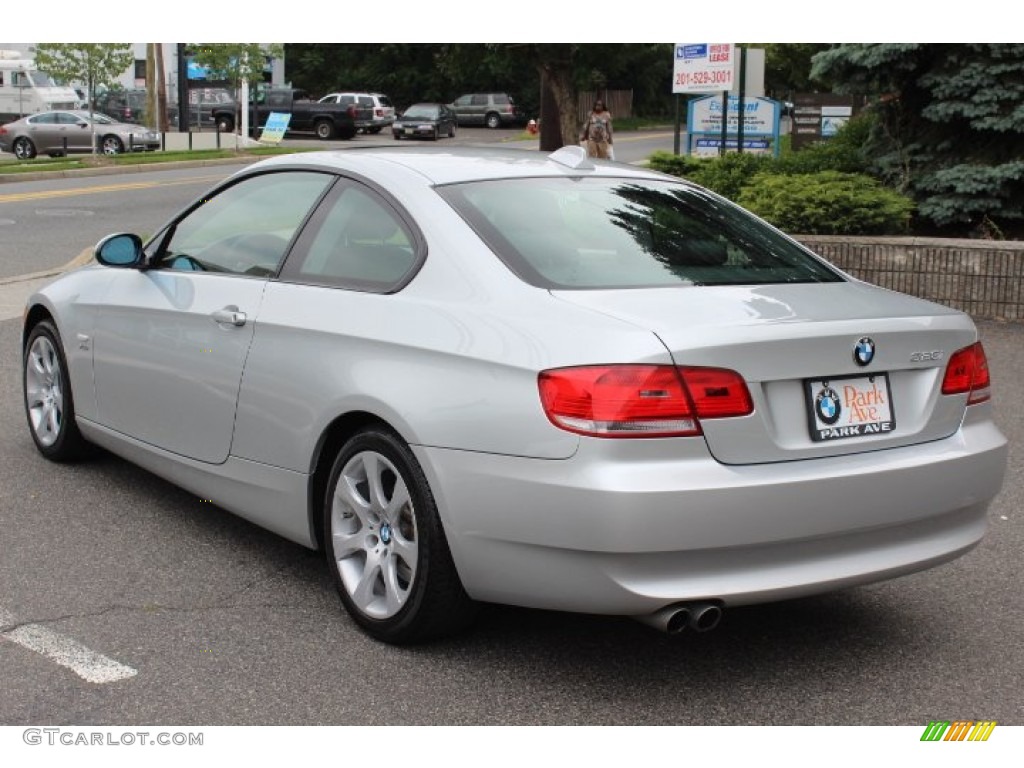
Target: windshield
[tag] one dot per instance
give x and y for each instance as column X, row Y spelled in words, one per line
column 618, row 233
column 41, row 80
column 420, row 113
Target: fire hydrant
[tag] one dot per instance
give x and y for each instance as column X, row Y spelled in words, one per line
column 531, row 127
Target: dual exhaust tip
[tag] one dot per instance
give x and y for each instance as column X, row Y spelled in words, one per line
column 673, row 619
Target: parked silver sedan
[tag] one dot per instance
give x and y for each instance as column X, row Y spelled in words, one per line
column 505, row 376
column 66, row 131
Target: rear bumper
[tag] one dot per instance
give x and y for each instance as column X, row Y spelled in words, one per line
column 620, row 529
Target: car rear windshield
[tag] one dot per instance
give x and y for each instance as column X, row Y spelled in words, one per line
column 615, row 233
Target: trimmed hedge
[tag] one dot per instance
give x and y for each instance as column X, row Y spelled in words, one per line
column 827, row 203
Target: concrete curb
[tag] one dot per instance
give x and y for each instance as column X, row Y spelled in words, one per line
column 79, row 261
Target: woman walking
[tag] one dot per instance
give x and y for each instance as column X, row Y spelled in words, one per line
column 597, row 132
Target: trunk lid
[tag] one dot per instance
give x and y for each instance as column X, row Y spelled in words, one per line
column 796, row 347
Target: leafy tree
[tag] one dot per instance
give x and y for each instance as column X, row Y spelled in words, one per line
column 787, row 68
column 236, row 63
column 950, row 128
column 94, row 64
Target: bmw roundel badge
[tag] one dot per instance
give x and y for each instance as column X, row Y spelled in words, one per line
column 864, row 351
column 826, row 405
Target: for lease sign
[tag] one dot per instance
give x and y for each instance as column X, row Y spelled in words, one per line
column 703, row 67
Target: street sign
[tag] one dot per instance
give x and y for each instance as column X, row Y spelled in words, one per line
column 703, row 67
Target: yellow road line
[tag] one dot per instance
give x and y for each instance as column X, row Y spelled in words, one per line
column 624, row 137
column 57, row 193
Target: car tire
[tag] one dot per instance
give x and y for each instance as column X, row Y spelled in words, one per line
column 225, row 124
column 24, row 149
column 373, row 130
column 437, row 133
column 492, row 120
column 324, row 129
column 347, row 133
column 397, row 137
column 451, row 131
column 46, row 390
column 385, row 544
column 111, row 145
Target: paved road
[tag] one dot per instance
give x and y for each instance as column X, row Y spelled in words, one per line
column 224, row 623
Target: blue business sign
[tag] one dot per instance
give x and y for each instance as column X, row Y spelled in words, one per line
column 760, row 116
column 694, row 51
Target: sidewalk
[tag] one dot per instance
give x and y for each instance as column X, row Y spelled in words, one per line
column 14, row 291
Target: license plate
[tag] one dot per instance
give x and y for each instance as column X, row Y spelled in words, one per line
column 840, row 408
column 410, row 130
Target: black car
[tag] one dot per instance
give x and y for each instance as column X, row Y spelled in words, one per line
column 127, row 106
column 427, row 121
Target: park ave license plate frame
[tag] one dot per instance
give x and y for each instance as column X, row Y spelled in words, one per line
column 845, row 407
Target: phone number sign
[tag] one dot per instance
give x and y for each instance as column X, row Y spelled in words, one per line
column 703, row 67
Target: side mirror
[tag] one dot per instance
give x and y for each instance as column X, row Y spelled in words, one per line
column 122, row 250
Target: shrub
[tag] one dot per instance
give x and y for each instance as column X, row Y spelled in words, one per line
column 827, row 203
column 724, row 175
column 843, row 152
column 674, row 165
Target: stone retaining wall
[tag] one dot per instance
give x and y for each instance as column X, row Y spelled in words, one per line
column 984, row 278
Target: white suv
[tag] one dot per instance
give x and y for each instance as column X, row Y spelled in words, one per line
column 374, row 111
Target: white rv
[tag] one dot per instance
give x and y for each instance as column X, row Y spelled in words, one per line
column 24, row 89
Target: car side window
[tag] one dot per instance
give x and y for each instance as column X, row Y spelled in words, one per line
column 46, row 118
column 246, row 228
column 66, row 118
column 479, row 100
column 355, row 240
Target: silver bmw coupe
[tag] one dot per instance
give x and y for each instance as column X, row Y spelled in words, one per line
column 522, row 378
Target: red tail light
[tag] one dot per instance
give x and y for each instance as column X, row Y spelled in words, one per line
column 640, row 400
column 378, row 112
column 967, row 371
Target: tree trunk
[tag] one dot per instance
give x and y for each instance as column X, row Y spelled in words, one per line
column 555, row 64
column 550, row 129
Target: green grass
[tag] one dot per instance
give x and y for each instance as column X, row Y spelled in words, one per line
column 13, row 167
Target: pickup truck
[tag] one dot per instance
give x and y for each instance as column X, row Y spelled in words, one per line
column 327, row 121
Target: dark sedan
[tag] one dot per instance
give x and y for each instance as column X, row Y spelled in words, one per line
column 428, row 121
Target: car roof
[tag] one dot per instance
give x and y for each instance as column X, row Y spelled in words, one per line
column 450, row 165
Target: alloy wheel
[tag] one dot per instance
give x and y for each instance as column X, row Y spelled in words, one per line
column 44, row 391
column 374, row 535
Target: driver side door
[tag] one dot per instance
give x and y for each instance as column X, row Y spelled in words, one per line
column 171, row 341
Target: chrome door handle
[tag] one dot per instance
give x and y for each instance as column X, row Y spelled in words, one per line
column 229, row 316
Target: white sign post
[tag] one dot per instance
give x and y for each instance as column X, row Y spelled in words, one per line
column 703, row 67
